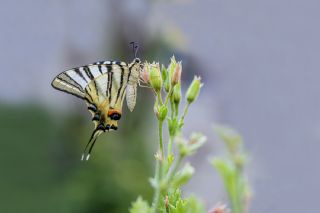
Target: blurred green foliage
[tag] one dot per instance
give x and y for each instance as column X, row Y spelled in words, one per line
column 231, row 169
column 41, row 169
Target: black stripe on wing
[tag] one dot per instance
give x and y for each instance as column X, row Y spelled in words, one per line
column 75, row 81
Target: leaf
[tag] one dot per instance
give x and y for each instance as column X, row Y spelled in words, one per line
column 231, row 179
column 140, row 206
column 195, row 206
column 183, row 176
column 187, row 148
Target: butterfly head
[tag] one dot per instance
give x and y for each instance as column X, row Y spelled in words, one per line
column 137, row 61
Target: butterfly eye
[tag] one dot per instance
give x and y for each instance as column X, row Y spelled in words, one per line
column 137, row 60
column 115, row 116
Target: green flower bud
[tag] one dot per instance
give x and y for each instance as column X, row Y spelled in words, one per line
column 166, row 79
column 172, row 66
column 167, row 85
column 155, row 77
column 194, row 89
column 164, row 73
column 163, row 111
column 177, row 93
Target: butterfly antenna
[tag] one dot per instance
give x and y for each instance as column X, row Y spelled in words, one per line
column 133, row 48
column 136, row 50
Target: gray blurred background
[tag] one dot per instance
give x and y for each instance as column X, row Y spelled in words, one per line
column 259, row 61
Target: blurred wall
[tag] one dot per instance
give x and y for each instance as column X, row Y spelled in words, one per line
column 258, row 59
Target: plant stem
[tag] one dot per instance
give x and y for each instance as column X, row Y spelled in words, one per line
column 161, row 139
column 156, row 195
column 174, row 169
column 185, row 111
column 170, row 145
column 159, row 98
column 158, row 175
column 168, row 96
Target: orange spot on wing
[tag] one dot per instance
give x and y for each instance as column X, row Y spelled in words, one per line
column 112, row 111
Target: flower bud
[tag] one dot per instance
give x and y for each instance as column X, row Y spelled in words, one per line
column 155, row 77
column 172, row 65
column 164, row 73
column 163, row 111
column 177, row 93
column 176, row 76
column 145, row 74
column 167, row 85
column 194, row 89
column 166, row 79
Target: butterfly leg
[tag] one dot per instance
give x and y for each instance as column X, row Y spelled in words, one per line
column 141, row 85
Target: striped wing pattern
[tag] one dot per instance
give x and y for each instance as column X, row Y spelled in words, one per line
column 75, row 81
column 103, row 86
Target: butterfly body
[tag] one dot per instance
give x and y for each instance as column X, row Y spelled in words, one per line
column 103, row 86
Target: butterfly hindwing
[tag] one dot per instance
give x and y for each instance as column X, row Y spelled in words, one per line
column 131, row 94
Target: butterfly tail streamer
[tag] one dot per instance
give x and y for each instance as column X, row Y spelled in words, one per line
column 89, row 153
column 91, row 141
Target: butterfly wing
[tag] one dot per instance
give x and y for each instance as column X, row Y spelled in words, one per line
column 102, row 85
column 131, row 94
column 131, row 90
column 75, row 81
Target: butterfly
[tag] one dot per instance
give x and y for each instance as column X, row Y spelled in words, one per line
column 103, row 86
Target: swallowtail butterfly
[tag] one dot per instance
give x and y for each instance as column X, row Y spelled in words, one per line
column 103, row 86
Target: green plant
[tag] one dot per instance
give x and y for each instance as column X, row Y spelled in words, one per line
column 231, row 169
column 171, row 172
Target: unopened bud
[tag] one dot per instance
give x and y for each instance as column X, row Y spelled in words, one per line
column 163, row 111
column 145, row 74
column 176, row 77
column 172, row 65
column 177, row 93
column 166, row 79
column 194, row 89
column 155, row 77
